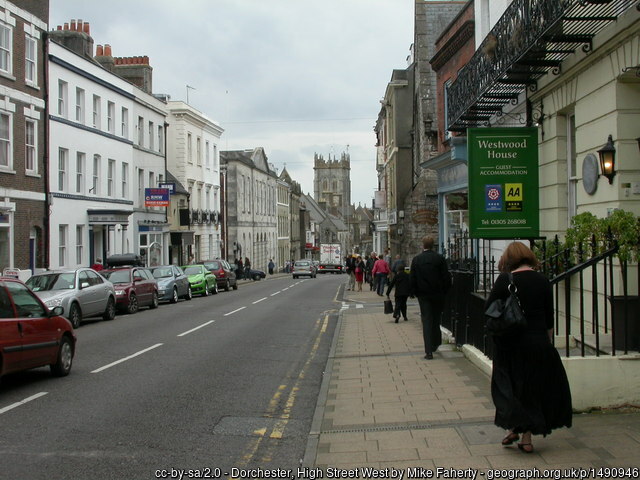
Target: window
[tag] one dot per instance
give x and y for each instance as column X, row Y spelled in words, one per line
column 125, row 179
column 6, row 49
column 189, row 149
column 447, row 85
column 62, row 244
column 30, row 60
column 215, row 157
column 79, row 249
column 30, row 153
column 572, row 168
column 97, row 103
column 151, row 136
column 95, row 183
column 63, row 159
column 27, row 304
column 198, row 151
column 160, row 139
column 141, row 187
column 111, row 168
column 111, row 120
column 79, row 105
column 5, row 141
column 80, row 162
column 125, row 123
column 207, row 158
column 62, row 98
column 140, row 131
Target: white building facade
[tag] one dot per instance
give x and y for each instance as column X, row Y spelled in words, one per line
column 194, row 160
column 102, row 158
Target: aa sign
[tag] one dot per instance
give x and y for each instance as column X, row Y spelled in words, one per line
column 503, row 183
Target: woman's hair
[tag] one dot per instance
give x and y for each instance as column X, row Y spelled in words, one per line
column 515, row 255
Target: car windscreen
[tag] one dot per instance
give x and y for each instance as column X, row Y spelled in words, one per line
column 302, row 264
column 193, row 270
column 162, row 272
column 212, row 266
column 56, row 281
column 118, row 276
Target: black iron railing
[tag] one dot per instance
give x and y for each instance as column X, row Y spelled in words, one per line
column 592, row 301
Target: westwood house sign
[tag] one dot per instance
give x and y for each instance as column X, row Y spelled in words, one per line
column 503, row 183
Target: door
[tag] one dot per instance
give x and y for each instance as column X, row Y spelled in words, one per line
column 89, row 293
column 10, row 337
column 141, row 287
column 39, row 335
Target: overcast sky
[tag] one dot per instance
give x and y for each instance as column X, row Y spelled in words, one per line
column 293, row 76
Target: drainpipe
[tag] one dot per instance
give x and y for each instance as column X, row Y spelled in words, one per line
column 47, row 210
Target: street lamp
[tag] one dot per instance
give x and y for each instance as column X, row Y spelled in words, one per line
column 608, row 160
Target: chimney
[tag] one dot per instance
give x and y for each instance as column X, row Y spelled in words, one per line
column 135, row 70
column 75, row 36
column 104, row 57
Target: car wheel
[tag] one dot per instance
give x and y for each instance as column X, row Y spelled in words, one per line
column 215, row 289
column 133, row 304
column 235, row 285
column 174, row 297
column 189, row 294
column 75, row 315
column 62, row 367
column 154, row 301
column 256, row 277
column 110, row 311
column 294, row 277
column 206, row 290
column 226, row 286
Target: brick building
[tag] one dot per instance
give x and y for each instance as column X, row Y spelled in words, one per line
column 23, row 152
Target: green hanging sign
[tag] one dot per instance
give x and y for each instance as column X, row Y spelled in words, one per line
column 503, row 183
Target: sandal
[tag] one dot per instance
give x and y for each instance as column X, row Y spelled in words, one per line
column 510, row 438
column 525, row 447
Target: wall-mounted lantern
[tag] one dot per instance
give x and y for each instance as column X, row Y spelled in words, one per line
column 608, row 160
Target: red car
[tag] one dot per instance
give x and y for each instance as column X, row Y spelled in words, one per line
column 31, row 335
column 135, row 287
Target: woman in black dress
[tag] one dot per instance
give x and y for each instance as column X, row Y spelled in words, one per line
column 529, row 385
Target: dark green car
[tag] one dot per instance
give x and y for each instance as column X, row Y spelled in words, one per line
column 202, row 281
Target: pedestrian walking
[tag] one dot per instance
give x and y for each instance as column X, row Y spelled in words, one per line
column 98, row 265
column 380, row 273
column 359, row 272
column 430, row 281
column 247, row 268
column 401, row 281
column 351, row 271
column 271, row 266
column 239, row 268
column 529, row 385
column 371, row 260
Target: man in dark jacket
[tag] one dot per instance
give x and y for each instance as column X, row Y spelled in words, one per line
column 430, row 281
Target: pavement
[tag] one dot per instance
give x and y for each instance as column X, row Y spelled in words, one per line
column 383, row 405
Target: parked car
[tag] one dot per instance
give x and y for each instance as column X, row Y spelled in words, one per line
column 303, row 268
column 135, row 287
column 81, row 292
column 255, row 274
column 172, row 283
column 31, row 335
column 202, row 281
column 225, row 273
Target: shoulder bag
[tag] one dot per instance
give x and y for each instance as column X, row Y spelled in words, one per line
column 506, row 316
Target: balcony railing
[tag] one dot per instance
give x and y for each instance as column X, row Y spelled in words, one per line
column 532, row 38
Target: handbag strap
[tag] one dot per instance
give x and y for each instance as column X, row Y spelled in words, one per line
column 514, row 291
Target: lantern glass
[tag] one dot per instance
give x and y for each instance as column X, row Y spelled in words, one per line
column 608, row 160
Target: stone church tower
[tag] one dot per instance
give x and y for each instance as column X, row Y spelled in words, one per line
column 332, row 184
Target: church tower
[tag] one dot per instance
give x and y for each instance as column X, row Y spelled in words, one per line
column 332, row 183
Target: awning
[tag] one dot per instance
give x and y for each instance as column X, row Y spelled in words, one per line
column 109, row 217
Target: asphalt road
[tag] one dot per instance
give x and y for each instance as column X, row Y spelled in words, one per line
column 213, row 383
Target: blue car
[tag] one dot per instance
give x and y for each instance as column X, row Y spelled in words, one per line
column 172, row 283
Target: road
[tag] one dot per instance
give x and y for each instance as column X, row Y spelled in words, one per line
column 214, row 383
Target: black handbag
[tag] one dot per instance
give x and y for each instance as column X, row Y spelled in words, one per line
column 506, row 316
column 388, row 306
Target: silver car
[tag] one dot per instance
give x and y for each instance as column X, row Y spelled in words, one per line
column 303, row 267
column 81, row 292
column 172, row 283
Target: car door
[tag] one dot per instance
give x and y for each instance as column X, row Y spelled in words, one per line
column 38, row 331
column 182, row 281
column 100, row 292
column 10, row 337
column 231, row 274
column 141, row 287
column 85, row 293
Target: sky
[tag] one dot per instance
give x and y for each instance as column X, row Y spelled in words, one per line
column 295, row 77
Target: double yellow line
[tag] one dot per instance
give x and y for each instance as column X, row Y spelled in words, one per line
column 277, row 431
